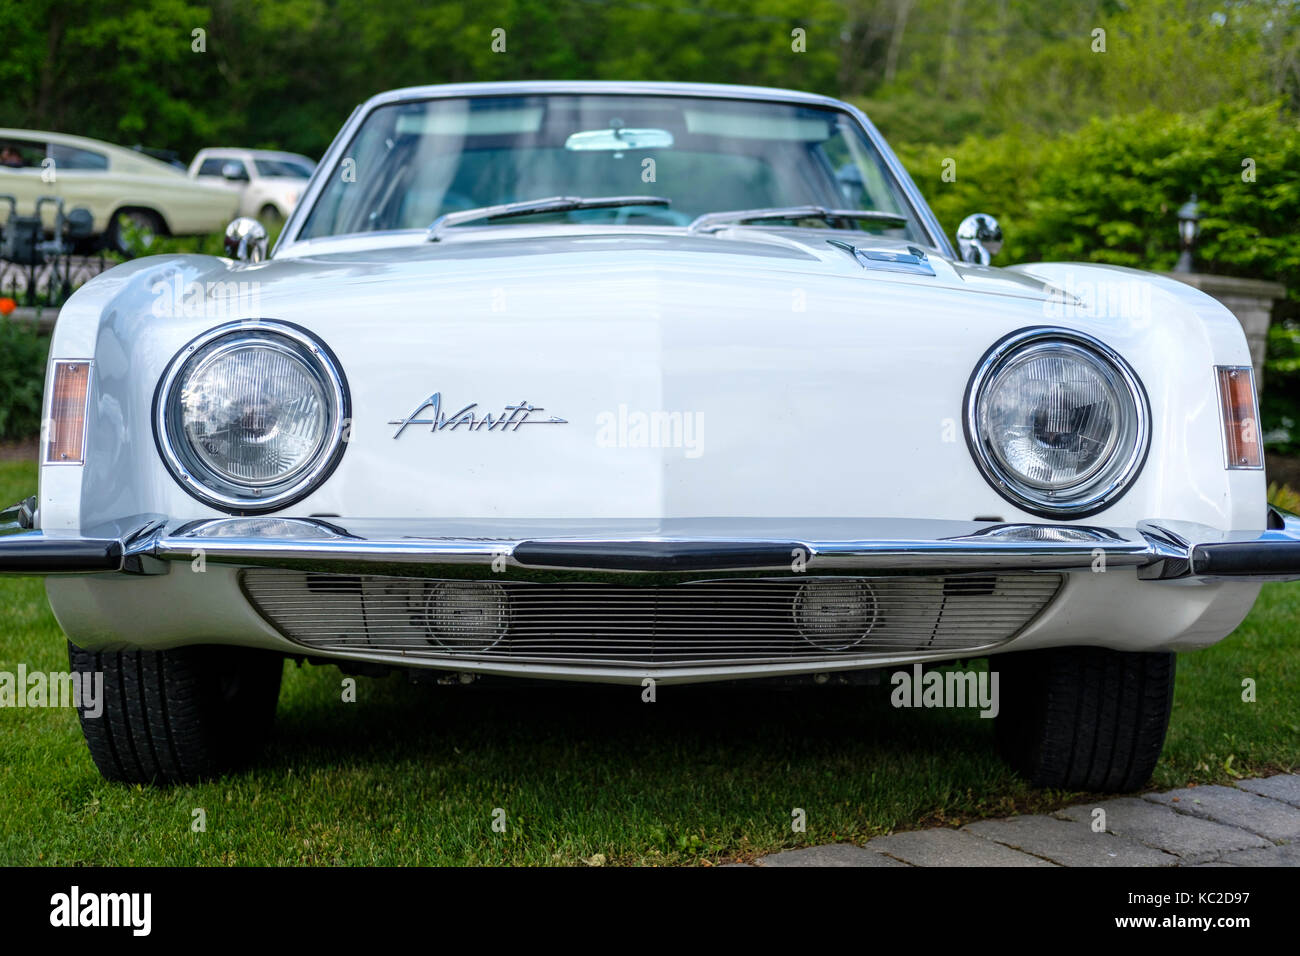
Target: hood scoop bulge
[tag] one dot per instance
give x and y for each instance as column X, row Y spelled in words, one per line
column 912, row 261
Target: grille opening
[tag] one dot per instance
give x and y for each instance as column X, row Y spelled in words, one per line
column 333, row 584
column 975, row 584
column 711, row 622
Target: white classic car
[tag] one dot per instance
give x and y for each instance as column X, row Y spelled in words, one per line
column 270, row 182
column 640, row 382
column 131, row 197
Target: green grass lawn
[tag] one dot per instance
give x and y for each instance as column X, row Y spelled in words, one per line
column 412, row 774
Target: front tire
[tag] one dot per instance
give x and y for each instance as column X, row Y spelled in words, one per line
column 1084, row 718
column 178, row 716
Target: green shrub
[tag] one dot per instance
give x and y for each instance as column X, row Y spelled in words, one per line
column 1284, row 498
column 1110, row 191
column 23, row 351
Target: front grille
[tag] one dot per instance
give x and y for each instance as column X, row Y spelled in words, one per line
column 715, row 622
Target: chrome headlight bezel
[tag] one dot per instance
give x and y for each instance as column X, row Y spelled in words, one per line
column 1107, row 483
column 218, row 490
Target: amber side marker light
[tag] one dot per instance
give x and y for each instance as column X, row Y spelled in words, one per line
column 66, row 439
column 1240, row 415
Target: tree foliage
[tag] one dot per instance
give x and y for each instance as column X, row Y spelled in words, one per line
column 1109, row 191
column 286, row 73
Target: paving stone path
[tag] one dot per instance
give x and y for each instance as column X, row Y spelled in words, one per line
column 1254, row 823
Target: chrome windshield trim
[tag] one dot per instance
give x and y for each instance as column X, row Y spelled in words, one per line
column 337, row 150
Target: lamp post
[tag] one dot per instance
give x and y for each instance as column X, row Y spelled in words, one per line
column 1188, row 230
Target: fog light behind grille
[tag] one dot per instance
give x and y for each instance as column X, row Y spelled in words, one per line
column 464, row 615
column 835, row 615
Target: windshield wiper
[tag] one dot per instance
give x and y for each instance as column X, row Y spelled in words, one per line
column 530, row 206
column 716, row 220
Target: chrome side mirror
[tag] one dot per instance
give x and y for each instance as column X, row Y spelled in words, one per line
column 246, row 240
column 979, row 238
column 233, row 171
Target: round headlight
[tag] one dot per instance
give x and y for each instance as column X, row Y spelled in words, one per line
column 1057, row 422
column 250, row 417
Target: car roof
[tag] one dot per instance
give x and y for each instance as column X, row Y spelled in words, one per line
column 649, row 88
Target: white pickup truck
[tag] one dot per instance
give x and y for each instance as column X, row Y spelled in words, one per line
column 270, row 181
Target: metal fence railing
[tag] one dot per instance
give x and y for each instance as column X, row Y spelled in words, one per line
column 49, row 283
column 39, row 266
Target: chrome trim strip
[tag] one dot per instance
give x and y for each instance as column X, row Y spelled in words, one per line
column 676, row 674
column 1158, row 550
column 302, row 544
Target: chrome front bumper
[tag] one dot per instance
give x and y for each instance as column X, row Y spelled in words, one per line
column 648, row 550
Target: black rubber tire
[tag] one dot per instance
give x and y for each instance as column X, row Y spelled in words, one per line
column 1084, row 718
column 179, row 716
column 116, row 240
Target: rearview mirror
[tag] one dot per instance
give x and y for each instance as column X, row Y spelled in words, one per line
column 614, row 140
column 234, row 171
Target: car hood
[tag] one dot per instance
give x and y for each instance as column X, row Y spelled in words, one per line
column 474, row 253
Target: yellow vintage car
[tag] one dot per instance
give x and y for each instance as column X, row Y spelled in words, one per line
column 132, row 197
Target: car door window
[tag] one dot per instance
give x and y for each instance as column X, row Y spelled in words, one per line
column 212, row 166
column 72, row 157
column 21, row 154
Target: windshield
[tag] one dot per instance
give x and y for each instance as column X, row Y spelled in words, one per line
column 410, row 163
